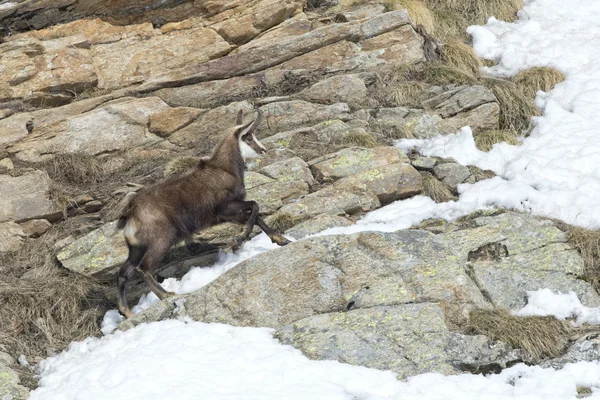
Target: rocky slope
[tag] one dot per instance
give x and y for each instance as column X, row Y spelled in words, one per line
column 150, row 83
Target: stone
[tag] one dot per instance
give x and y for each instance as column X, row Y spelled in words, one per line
column 368, row 11
column 389, row 182
column 353, row 160
column 386, row 338
column 14, row 128
column 359, row 271
column 272, row 196
column 10, row 387
column 117, row 125
column 461, row 99
column 261, row 58
column 164, row 123
column 299, row 24
column 317, row 224
column 586, row 348
column 243, row 26
column 210, row 126
column 212, row 93
column 337, row 89
column 451, row 174
column 142, row 58
column 292, row 169
column 286, row 115
column 423, row 163
column 26, row 197
column 11, row 236
column 99, row 254
column 7, row 164
column 533, row 254
column 253, row 179
column 35, row 227
column 330, row 201
column 480, row 119
column 32, row 66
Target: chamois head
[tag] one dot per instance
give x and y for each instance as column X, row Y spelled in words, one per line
column 249, row 145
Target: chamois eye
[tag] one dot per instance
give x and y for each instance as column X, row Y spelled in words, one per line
column 248, row 138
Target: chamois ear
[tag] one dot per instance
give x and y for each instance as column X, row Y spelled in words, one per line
column 239, row 119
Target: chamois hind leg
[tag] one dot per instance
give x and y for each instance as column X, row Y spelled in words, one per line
column 153, row 256
column 135, row 257
column 275, row 237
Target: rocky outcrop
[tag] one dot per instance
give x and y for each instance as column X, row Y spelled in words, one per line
column 392, row 300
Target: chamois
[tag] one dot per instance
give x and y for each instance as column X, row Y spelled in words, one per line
column 212, row 192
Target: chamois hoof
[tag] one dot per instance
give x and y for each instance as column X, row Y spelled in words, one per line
column 126, row 313
column 238, row 241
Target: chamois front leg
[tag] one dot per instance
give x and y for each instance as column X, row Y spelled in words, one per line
column 244, row 212
column 275, row 237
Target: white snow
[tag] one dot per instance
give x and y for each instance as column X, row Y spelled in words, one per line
column 561, row 305
column 178, row 360
column 554, row 172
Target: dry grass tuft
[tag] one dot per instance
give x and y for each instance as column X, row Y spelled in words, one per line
column 45, row 306
column 74, row 169
column 485, row 140
column 417, row 11
column 410, row 93
column 481, row 174
column 442, row 74
column 435, row 189
column 450, row 25
column 357, row 137
column 180, row 164
column 587, row 241
column 479, row 11
column 516, row 106
column 540, row 337
column 462, row 57
column 538, row 78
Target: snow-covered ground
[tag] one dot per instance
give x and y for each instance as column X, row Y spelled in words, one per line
column 554, row 172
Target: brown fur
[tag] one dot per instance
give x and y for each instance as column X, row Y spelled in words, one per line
column 212, row 192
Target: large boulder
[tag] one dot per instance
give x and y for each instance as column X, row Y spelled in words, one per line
column 392, row 300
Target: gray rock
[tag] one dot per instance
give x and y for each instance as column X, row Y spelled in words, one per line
column 286, row 115
column 26, row 197
column 461, row 99
column 11, row 236
column 389, row 182
column 354, row 160
column 337, row 89
column 9, row 385
column 317, row 224
column 330, row 201
column 292, row 169
column 584, row 349
column 272, row 196
column 451, row 173
column 384, row 337
column 423, row 163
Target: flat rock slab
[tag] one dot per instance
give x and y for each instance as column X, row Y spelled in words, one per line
column 385, row 338
column 26, row 197
column 354, row 160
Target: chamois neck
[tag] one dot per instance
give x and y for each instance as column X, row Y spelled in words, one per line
column 227, row 157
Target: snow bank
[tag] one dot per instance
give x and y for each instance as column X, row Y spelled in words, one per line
column 179, row 360
column 561, row 305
